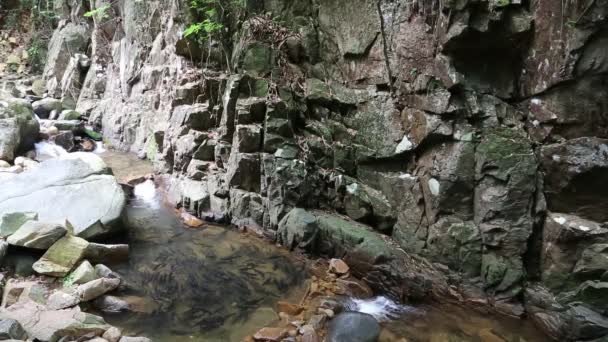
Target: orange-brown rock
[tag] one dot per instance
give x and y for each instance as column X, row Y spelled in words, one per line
column 289, row 308
column 191, row 220
column 338, row 266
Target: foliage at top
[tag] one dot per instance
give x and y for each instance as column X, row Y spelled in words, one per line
column 36, row 18
column 210, row 17
column 99, row 13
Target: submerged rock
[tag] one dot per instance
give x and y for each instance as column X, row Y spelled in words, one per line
column 97, row 288
column 97, row 252
column 79, row 186
column 353, row 327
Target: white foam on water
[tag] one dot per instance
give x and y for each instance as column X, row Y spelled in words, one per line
column 382, row 308
column 99, row 149
column 47, row 149
column 146, row 193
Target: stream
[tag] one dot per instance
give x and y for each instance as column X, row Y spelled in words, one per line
column 207, row 284
column 216, row 284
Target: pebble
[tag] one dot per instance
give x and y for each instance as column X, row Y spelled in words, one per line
column 338, row 266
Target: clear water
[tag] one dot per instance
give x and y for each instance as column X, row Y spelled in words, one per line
column 209, row 284
column 214, row 284
column 449, row 323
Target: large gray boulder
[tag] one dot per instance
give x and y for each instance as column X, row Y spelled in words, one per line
column 52, row 325
column 18, row 127
column 66, row 41
column 38, row 235
column 77, row 187
column 353, row 327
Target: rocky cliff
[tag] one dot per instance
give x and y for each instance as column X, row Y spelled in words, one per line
column 473, row 133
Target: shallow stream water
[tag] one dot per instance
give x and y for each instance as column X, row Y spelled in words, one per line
column 216, row 284
column 207, row 284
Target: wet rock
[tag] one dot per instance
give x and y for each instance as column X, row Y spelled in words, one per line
column 38, row 235
column 10, row 329
column 44, row 107
column 297, row 229
column 97, row 288
column 11, row 222
column 353, row 326
column 111, row 304
column 97, row 252
column 61, row 257
column 134, row 339
column 338, row 267
column 65, row 140
column 270, row 334
column 191, row 220
column 87, row 145
column 84, row 273
column 575, row 180
column 52, row 325
column 73, row 179
column 112, row 335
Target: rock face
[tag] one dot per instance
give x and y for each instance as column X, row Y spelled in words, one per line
column 80, row 187
column 459, row 131
column 18, row 127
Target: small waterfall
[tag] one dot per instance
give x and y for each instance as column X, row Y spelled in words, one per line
column 99, row 148
column 145, row 193
column 49, row 150
column 382, row 308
